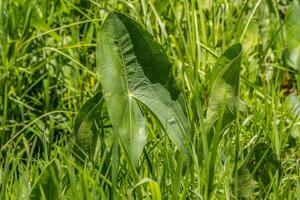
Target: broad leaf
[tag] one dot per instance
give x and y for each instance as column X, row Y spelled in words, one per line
column 225, row 81
column 85, row 126
column 126, row 76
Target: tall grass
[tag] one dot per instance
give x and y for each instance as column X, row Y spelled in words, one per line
column 47, row 72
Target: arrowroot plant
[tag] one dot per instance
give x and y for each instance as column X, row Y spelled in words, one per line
column 134, row 73
column 153, row 99
column 135, row 80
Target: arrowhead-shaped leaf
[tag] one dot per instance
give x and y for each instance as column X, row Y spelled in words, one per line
column 225, row 81
column 128, row 62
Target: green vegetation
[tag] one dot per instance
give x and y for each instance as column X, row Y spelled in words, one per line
column 149, row 99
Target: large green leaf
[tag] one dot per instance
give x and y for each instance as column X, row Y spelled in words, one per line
column 85, row 126
column 225, row 81
column 126, row 81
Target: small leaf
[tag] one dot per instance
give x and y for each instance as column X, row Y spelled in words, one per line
column 246, row 184
column 259, row 166
column 85, row 126
column 225, row 79
column 263, row 162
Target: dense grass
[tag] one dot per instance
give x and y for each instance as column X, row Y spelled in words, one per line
column 47, row 72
